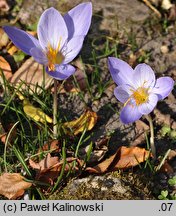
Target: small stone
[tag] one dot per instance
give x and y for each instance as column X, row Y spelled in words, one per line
column 113, row 100
column 164, row 49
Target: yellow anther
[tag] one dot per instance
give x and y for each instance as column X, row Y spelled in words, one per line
column 54, row 56
column 140, row 96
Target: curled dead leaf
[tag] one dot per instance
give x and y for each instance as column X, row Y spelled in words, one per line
column 49, row 168
column 123, row 158
column 6, row 69
column 35, row 113
column 45, row 169
column 87, row 120
column 12, row 136
column 98, row 152
column 4, row 6
column 12, row 185
column 53, row 145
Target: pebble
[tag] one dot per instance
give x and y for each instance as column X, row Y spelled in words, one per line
column 164, row 49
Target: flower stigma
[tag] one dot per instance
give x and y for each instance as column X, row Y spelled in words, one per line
column 54, row 56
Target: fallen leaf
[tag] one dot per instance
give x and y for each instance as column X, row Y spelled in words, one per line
column 87, row 120
column 3, row 38
column 45, row 164
column 4, row 65
column 4, row 134
column 53, row 145
column 32, row 76
column 12, row 185
column 49, row 168
column 98, row 152
column 35, row 113
column 123, row 158
column 4, row 6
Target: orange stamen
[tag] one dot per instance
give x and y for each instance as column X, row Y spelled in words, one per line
column 54, row 56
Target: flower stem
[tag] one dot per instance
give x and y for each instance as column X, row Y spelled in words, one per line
column 152, row 143
column 55, row 128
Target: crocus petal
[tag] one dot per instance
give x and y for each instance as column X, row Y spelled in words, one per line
column 147, row 108
column 78, row 19
column 52, row 29
column 130, row 114
column 39, row 56
column 73, row 48
column 144, row 76
column 121, row 72
column 62, row 72
column 21, row 39
column 122, row 93
column 163, row 87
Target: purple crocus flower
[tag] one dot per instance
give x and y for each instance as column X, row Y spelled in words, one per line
column 137, row 89
column 60, row 39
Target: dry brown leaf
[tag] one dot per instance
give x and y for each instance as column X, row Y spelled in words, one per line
column 98, row 152
column 124, row 158
column 45, row 169
column 4, row 132
column 4, row 6
column 49, row 168
column 87, row 120
column 4, row 65
column 3, row 136
column 47, row 163
column 32, row 75
column 53, row 145
column 3, row 38
column 12, row 185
